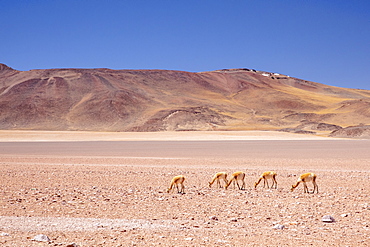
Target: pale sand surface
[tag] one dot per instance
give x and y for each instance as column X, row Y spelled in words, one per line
column 112, row 193
column 17, row 135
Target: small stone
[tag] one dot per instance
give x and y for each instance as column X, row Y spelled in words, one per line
column 344, row 215
column 278, row 226
column 213, row 218
column 188, row 239
column 234, row 220
column 327, row 219
column 41, row 238
column 72, row 245
column 4, row 234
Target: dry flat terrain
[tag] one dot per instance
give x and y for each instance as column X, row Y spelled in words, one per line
column 113, row 193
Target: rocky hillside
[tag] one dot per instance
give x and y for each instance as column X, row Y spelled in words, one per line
column 163, row 100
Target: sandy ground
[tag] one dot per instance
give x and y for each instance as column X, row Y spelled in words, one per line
column 113, row 192
column 41, row 136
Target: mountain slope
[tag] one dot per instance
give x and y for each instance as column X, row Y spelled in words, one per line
column 162, row 100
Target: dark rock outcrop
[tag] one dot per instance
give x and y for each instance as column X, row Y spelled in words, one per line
column 361, row 131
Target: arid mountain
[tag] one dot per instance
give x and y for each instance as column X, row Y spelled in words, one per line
column 163, row 100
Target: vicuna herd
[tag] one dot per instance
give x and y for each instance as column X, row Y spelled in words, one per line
column 238, row 179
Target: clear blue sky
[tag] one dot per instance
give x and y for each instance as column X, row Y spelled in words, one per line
column 326, row 41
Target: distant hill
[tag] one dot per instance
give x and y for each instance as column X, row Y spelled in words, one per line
column 165, row 100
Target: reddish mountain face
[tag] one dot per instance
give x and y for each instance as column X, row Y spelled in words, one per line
column 163, row 100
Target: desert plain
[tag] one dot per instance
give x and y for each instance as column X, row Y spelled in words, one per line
column 109, row 189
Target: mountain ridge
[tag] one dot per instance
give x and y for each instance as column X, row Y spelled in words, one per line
column 170, row 100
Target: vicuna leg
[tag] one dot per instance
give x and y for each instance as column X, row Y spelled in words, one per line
column 305, row 187
column 274, row 181
column 315, row 187
column 267, row 183
column 219, row 183
column 238, row 184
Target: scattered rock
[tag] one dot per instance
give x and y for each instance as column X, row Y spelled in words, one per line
column 72, row 245
column 327, row 219
column 41, row 238
column 4, row 234
column 279, row 219
column 188, row 239
column 213, row 218
column 278, row 227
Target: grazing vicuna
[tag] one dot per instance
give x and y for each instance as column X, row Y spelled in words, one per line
column 267, row 175
column 175, row 183
column 307, row 177
column 235, row 177
column 217, row 177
